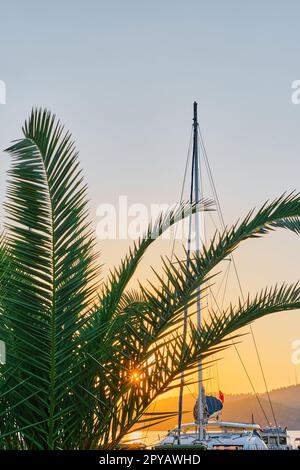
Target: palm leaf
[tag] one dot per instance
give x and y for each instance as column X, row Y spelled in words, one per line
column 51, row 246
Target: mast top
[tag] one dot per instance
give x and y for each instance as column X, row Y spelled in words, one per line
column 195, row 119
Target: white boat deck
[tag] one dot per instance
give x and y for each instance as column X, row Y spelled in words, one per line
column 220, row 435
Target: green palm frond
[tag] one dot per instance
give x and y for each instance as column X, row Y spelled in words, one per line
column 290, row 223
column 51, row 245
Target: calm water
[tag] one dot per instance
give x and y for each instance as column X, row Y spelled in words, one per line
column 152, row 437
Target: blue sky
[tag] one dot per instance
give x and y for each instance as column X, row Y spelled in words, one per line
column 122, row 76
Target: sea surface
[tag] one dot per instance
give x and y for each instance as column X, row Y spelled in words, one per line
column 150, row 438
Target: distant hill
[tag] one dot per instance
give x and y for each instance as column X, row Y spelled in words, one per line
column 286, row 404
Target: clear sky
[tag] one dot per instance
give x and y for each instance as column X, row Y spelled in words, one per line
column 123, row 75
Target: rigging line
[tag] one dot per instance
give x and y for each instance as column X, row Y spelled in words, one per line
column 265, row 383
column 205, row 240
column 236, row 272
column 234, row 265
column 204, row 225
column 225, row 287
column 226, row 274
column 215, row 296
column 213, row 221
column 182, row 188
column 191, row 391
column 227, row 269
column 176, row 226
column 203, row 222
column 218, row 378
column 224, row 280
column 251, row 383
column 244, row 367
column 185, row 318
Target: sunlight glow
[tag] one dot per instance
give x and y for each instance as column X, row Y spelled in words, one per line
column 135, row 377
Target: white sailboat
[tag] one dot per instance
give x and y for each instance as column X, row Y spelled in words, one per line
column 206, row 432
column 219, row 435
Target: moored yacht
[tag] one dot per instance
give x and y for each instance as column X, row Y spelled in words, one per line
column 219, row 435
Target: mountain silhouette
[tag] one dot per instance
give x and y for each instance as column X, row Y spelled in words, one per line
column 241, row 407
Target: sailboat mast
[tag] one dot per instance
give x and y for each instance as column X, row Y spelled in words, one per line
column 197, row 197
column 185, row 318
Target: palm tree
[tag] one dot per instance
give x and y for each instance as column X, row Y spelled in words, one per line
column 85, row 362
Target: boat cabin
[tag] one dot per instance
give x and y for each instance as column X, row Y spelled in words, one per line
column 276, row 438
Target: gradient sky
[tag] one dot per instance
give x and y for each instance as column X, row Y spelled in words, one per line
column 122, row 76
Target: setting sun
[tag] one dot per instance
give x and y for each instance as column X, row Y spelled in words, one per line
column 135, row 377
